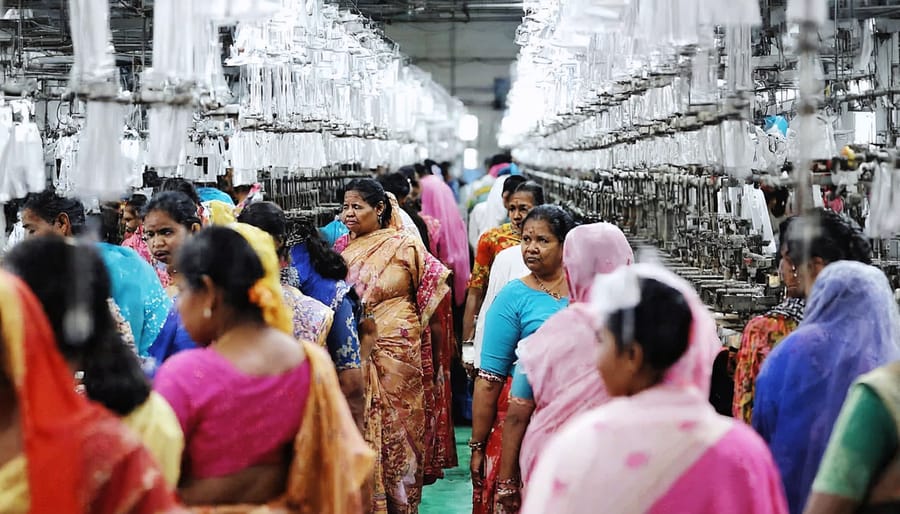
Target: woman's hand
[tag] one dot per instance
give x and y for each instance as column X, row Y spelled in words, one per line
column 476, row 468
column 508, row 497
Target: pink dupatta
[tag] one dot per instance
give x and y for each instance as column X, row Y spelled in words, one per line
column 453, row 243
column 634, row 454
column 559, row 357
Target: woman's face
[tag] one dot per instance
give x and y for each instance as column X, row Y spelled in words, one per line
column 614, row 366
column 790, row 276
column 193, row 307
column 164, row 236
column 360, row 217
column 518, row 206
column 541, row 250
column 36, row 226
column 130, row 220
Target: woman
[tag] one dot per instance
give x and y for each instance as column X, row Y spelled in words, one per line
column 850, row 328
column 859, row 472
column 132, row 220
column 70, row 280
column 764, row 332
column 522, row 199
column 555, row 378
column 170, row 218
column 439, row 203
column 655, row 447
column 135, row 289
column 58, row 451
column 491, row 213
column 401, row 286
column 258, row 410
column 518, row 311
column 817, row 240
column 312, row 318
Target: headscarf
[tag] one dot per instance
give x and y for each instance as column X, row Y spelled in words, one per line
column 208, row 194
column 558, row 359
column 218, row 213
column 626, row 455
column 73, row 447
column 851, row 327
column 267, row 293
column 138, row 292
column 438, row 202
column 592, row 249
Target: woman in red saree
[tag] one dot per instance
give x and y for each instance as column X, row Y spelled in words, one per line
column 401, row 286
column 60, row 452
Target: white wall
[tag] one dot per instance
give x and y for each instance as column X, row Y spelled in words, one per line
column 483, row 51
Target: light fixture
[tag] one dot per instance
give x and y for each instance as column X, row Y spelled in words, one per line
column 470, row 158
column 468, row 127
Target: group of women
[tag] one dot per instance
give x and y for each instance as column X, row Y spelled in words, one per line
column 170, row 377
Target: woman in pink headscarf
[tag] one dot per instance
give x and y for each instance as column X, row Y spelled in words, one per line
column 555, row 378
column 655, row 446
column 452, row 242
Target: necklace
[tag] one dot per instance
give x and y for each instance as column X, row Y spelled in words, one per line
column 540, row 283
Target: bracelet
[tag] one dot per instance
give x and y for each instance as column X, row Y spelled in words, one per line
column 469, row 341
column 490, row 377
column 477, row 446
column 509, row 487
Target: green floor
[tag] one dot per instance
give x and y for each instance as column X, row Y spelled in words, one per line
column 453, row 494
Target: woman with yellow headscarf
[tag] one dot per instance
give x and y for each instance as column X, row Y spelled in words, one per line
column 264, row 419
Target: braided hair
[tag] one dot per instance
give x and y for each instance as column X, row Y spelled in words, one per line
column 827, row 235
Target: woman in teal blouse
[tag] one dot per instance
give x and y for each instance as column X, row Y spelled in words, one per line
column 517, row 312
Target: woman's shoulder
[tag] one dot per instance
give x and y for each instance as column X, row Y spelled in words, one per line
column 192, row 362
column 156, row 418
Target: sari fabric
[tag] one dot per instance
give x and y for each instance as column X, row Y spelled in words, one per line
column 441, row 438
column 489, row 213
column 78, row 458
column 451, row 244
column 137, row 291
column 401, row 286
column 655, row 451
column 312, row 319
column 331, row 459
column 851, row 327
column 558, row 359
column 760, row 336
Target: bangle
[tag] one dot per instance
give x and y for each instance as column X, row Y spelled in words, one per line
column 509, row 487
column 469, row 341
column 491, row 377
column 477, row 446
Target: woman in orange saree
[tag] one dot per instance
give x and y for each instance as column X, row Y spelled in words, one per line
column 401, row 286
column 60, row 452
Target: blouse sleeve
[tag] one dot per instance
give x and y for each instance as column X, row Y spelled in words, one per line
column 863, row 441
column 343, row 339
column 521, row 387
column 502, row 331
column 484, row 257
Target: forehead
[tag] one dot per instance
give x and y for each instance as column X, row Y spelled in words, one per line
column 31, row 218
column 158, row 218
column 354, row 197
column 537, row 226
column 521, row 197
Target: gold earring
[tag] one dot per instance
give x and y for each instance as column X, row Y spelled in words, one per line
column 207, row 313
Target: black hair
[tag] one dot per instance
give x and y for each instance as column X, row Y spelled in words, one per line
column 136, row 202
column 183, row 186
column 177, row 205
column 72, row 284
column 660, row 323
column 529, row 186
column 269, row 217
column 324, row 259
column 400, row 186
column 826, row 235
column 224, row 256
column 560, row 221
column 780, row 196
column 395, row 183
column 500, row 158
column 48, row 206
column 372, row 193
column 513, row 182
